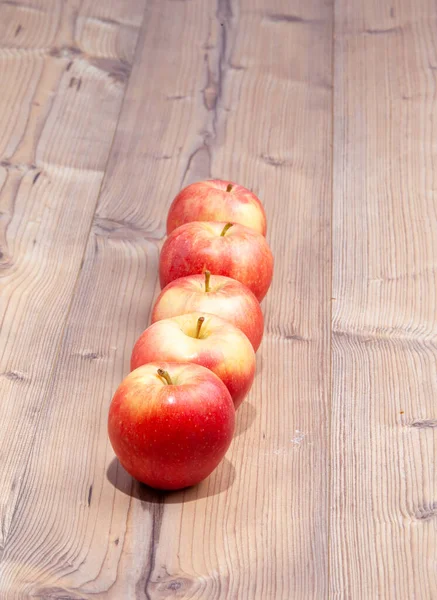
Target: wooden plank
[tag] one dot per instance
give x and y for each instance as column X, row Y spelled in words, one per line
column 248, row 96
column 384, row 498
column 58, row 113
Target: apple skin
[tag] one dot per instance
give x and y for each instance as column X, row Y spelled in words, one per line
column 220, row 347
column 210, row 201
column 226, row 298
column 242, row 254
column 171, row 436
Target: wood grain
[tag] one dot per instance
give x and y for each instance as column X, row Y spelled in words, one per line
column 307, row 504
column 246, row 96
column 384, row 434
column 58, row 113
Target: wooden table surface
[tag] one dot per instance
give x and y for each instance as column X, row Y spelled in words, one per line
column 328, row 111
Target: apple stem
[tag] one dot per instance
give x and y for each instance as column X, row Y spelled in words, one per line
column 229, row 188
column 200, row 321
column 225, row 228
column 207, row 277
column 164, row 375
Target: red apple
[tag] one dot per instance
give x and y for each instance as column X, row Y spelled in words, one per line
column 217, row 200
column 223, row 248
column 170, row 424
column 205, row 340
column 214, row 294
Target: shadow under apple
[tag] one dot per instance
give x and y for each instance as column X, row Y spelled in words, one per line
column 244, row 417
column 218, row 482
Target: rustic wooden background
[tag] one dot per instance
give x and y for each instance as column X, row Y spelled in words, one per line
column 328, row 111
